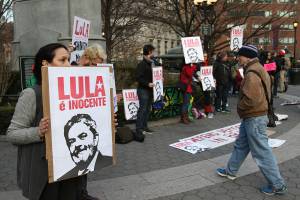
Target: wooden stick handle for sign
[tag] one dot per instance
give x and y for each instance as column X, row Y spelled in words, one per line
column 113, row 126
column 46, row 113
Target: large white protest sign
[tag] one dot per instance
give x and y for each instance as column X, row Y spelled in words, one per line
column 80, row 37
column 157, row 78
column 236, row 39
column 192, row 49
column 207, row 79
column 131, row 104
column 79, row 107
column 112, row 84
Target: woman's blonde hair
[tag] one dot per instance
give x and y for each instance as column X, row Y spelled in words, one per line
column 95, row 51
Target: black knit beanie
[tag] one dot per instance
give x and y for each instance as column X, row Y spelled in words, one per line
column 248, row 51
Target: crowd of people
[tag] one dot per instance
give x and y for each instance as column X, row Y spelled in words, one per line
column 228, row 75
column 29, row 126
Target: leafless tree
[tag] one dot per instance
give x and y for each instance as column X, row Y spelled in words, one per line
column 5, row 46
column 121, row 23
column 186, row 19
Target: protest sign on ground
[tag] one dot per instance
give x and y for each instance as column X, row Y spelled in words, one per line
column 207, row 79
column 192, row 49
column 213, row 139
column 158, row 88
column 131, row 104
column 80, row 37
column 236, row 38
column 81, row 119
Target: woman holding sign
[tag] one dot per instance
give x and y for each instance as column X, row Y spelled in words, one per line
column 186, row 78
column 27, row 130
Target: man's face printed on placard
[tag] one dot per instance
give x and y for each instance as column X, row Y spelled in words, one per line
column 133, row 109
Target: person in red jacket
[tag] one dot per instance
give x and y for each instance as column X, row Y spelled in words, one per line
column 186, row 77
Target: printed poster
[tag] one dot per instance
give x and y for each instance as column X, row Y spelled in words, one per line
column 79, row 107
column 208, row 140
column 80, row 37
column 157, row 73
column 192, row 49
column 236, row 38
column 207, row 79
column 113, row 84
column 270, row 66
column 131, row 104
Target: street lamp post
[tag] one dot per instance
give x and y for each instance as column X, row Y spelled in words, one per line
column 295, row 24
column 207, row 12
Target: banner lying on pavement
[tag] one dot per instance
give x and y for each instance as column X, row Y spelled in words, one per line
column 213, row 139
column 208, row 140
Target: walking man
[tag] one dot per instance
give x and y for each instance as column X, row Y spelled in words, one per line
column 252, row 108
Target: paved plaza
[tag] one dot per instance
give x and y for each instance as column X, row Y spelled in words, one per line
column 153, row 170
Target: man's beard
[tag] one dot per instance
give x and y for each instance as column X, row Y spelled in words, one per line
column 83, row 164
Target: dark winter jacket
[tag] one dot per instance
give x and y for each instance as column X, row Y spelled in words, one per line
column 221, row 73
column 144, row 74
column 279, row 60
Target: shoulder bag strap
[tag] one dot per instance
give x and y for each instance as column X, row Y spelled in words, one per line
column 263, row 83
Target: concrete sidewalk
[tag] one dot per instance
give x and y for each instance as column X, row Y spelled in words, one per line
column 160, row 183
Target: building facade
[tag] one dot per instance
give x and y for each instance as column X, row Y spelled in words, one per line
column 279, row 34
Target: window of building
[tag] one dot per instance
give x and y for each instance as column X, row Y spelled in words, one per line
column 286, row 26
column 172, row 43
column 266, row 27
column 286, row 40
column 268, row 13
column 262, row 41
column 158, row 47
column 230, row 25
column 262, row 1
column 166, row 46
column 287, row 1
column 261, row 13
column 235, row 1
column 286, row 13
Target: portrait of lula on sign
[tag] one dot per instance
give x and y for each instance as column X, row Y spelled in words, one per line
column 80, row 103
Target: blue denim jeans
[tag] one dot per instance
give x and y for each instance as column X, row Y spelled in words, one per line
column 186, row 102
column 145, row 101
column 253, row 138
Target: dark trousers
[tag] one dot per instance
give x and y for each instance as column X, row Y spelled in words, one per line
column 186, row 102
column 145, row 100
column 69, row 189
column 275, row 84
column 221, row 96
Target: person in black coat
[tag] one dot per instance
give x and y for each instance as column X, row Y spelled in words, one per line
column 144, row 91
column 222, row 75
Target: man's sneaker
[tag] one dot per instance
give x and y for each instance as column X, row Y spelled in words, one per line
column 226, row 110
column 218, row 110
column 222, row 172
column 148, row 130
column 269, row 190
column 210, row 115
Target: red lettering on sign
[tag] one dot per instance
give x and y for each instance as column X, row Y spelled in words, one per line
column 82, row 29
column 193, row 42
column 80, row 87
